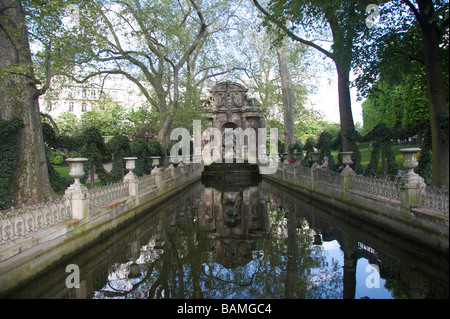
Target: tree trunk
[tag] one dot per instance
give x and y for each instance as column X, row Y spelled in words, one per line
column 436, row 96
column 383, row 161
column 288, row 98
column 345, row 105
column 57, row 132
column 163, row 137
column 92, row 175
column 19, row 97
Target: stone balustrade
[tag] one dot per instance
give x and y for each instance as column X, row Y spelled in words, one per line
column 403, row 204
column 39, row 236
column 409, row 190
column 78, row 202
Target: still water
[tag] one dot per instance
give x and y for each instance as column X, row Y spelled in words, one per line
column 248, row 241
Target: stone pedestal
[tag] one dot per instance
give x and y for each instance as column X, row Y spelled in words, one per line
column 77, row 193
column 315, row 166
column 411, row 183
column 156, row 171
column 347, row 173
column 130, row 165
column 171, row 168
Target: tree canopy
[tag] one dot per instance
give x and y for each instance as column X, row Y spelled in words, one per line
column 174, row 51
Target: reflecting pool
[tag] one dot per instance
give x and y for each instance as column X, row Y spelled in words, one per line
column 250, row 241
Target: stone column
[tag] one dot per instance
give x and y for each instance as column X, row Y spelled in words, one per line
column 130, row 165
column 171, row 168
column 77, row 193
column 410, row 183
column 347, row 174
column 314, row 174
column 156, row 171
column 181, row 166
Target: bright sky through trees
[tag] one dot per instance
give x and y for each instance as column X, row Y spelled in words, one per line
column 326, row 99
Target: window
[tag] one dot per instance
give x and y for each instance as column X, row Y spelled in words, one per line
column 70, row 106
column 49, row 106
column 93, row 94
column 83, row 107
column 114, row 95
column 83, row 93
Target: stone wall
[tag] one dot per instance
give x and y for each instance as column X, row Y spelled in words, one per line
column 27, row 254
column 392, row 205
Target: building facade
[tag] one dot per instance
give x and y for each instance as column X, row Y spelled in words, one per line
column 69, row 96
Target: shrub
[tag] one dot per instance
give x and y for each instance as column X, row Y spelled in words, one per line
column 8, row 158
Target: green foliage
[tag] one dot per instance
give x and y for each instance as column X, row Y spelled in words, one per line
column 297, row 147
column 57, row 160
column 109, row 120
column 399, row 105
column 392, row 167
column 141, row 149
column 146, row 122
column 354, row 137
column 90, row 144
column 325, row 145
column 52, row 143
column 8, row 158
column 372, row 167
column 68, row 124
column 119, row 147
column 57, row 141
column 156, row 149
column 425, row 157
column 309, row 148
column 94, row 149
column 381, row 137
column 280, row 147
column 58, row 183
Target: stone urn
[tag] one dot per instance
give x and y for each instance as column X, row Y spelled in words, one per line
column 76, row 168
column 347, row 160
column 155, row 160
column 411, row 183
column 297, row 156
column 315, row 158
column 410, row 161
column 130, row 163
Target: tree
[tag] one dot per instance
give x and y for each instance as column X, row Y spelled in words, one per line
column 155, row 44
column 401, row 105
column 149, row 43
column 408, row 46
column 433, row 20
column 19, row 94
column 288, row 97
column 274, row 71
column 381, row 136
column 345, row 19
column 325, row 145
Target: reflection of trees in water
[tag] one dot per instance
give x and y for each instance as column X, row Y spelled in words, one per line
column 282, row 264
column 297, row 266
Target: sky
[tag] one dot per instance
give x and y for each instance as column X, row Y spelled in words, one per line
column 326, row 100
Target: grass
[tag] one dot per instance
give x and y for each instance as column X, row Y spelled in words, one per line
column 366, row 152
